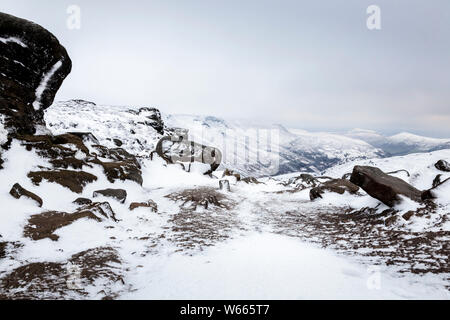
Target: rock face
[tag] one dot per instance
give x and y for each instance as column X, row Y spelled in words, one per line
column 118, row 194
column 148, row 204
column 34, row 65
column 382, row 186
column 336, row 186
column 443, row 165
column 73, row 180
column 17, row 191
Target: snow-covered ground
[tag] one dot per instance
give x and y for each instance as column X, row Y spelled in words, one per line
column 259, row 241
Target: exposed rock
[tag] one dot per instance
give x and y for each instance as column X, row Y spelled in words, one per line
column 34, row 65
column 408, row 215
column 251, row 180
column 382, row 186
column 44, row 225
column 431, row 193
column 231, row 173
column 203, row 196
column 152, row 118
column 302, row 182
column 100, row 209
column 118, row 194
column 118, row 142
column 148, row 204
column 74, row 180
column 336, row 186
column 82, row 201
column 437, row 180
column 391, row 220
column 224, row 185
column 52, row 280
column 17, row 191
column 124, row 167
column 178, row 149
column 67, row 163
column 443, row 165
column 54, row 147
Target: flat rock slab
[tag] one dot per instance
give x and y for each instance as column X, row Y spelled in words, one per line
column 17, row 191
column 382, row 186
column 336, row 185
column 118, row 194
column 442, row 165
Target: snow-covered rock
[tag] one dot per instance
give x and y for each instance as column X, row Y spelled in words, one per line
column 34, row 65
column 400, row 144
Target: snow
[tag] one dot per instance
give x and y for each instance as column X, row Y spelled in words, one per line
column 13, row 40
column 43, row 84
column 260, row 253
column 268, row 266
column 105, row 123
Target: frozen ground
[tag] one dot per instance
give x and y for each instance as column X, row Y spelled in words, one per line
column 264, row 243
column 259, row 241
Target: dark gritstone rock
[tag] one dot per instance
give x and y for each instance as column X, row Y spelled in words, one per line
column 148, row 204
column 437, row 180
column 231, row 173
column 443, row 165
column 55, row 147
column 336, row 186
column 382, row 186
column 124, row 167
column 431, row 193
column 34, row 65
column 51, row 280
column 41, row 226
column 44, row 225
column 82, row 201
column 18, row 191
column 152, row 118
column 118, row 194
column 251, row 180
column 178, row 149
column 74, row 180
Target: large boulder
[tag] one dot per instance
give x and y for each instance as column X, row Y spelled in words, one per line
column 33, row 67
column 442, row 165
column 382, row 186
column 339, row 186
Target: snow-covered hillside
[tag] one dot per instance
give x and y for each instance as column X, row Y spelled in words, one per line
column 400, row 144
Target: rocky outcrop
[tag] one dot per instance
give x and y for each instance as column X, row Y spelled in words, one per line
column 432, row 193
column 17, row 191
column 337, row 186
column 178, row 149
column 152, row 118
column 231, row 173
column 34, row 65
column 73, row 180
column 442, row 165
column 41, row 226
column 382, row 186
column 150, row 204
column 124, row 167
column 82, row 201
column 118, row 194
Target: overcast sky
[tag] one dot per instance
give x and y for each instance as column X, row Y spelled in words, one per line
column 305, row 64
